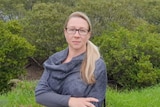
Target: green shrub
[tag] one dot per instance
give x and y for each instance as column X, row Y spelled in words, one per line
column 14, row 51
column 107, row 12
column 44, row 28
column 132, row 58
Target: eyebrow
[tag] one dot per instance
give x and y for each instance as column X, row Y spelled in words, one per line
column 76, row 28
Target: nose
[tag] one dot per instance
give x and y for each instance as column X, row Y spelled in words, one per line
column 77, row 34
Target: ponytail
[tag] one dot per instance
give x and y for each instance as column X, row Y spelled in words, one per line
column 88, row 64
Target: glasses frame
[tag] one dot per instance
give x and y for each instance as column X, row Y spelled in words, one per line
column 75, row 30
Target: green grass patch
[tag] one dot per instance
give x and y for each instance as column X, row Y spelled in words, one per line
column 23, row 96
column 148, row 97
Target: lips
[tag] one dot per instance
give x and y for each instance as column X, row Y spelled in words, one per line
column 75, row 42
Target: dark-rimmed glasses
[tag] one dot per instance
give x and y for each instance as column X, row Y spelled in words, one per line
column 82, row 32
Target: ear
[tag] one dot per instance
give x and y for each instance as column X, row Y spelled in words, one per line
column 64, row 32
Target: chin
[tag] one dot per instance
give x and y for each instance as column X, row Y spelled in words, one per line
column 76, row 47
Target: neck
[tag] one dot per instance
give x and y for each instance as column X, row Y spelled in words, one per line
column 73, row 53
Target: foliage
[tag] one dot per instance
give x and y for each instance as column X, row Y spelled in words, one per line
column 14, row 51
column 44, row 28
column 140, row 10
column 132, row 58
column 107, row 13
column 11, row 9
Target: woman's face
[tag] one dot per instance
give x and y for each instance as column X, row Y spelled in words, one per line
column 77, row 39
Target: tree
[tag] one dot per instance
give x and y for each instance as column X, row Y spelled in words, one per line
column 43, row 27
column 132, row 57
column 14, row 51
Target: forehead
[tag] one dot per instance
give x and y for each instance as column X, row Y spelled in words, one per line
column 77, row 22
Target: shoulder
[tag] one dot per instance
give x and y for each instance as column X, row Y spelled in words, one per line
column 100, row 63
column 100, row 67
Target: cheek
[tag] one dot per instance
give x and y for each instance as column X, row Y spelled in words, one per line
column 86, row 39
column 68, row 38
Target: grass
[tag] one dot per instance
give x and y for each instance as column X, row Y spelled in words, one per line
column 23, row 96
column 149, row 97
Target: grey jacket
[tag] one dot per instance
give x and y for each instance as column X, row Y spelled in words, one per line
column 60, row 81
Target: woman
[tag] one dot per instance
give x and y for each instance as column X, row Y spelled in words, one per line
column 76, row 76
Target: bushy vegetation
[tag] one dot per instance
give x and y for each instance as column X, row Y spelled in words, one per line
column 44, row 28
column 14, row 51
column 126, row 31
column 131, row 57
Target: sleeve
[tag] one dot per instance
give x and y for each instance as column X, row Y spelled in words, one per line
column 99, row 88
column 46, row 96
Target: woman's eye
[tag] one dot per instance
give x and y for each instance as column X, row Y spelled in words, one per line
column 71, row 29
column 83, row 30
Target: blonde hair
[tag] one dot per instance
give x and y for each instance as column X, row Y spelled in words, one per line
column 92, row 53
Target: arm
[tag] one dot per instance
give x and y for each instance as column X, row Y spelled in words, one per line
column 82, row 102
column 45, row 96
